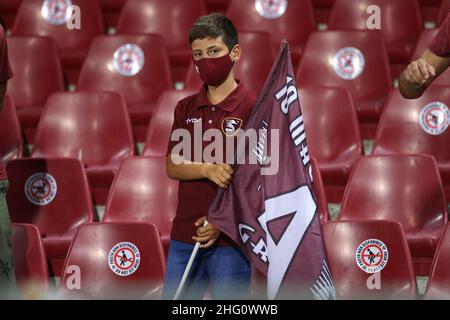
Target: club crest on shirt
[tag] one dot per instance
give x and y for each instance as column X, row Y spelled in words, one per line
column 56, row 12
column 231, row 126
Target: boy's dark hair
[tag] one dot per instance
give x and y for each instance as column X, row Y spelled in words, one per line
column 214, row 25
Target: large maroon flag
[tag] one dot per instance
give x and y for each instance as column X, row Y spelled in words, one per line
column 269, row 209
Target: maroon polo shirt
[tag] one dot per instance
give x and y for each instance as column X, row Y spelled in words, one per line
column 5, row 75
column 229, row 116
column 440, row 45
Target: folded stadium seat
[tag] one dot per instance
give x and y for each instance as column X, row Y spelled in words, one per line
column 438, row 286
column 11, row 144
column 418, row 126
column 49, row 18
column 52, row 194
column 30, row 260
column 252, row 69
column 403, row 188
column 160, row 126
column 319, row 192
column 111, row 11
column 401, row 23
column 322, row 10
column 356, row 250
column 293, row 20
column 90, row 126
column 333, row 135
column 354, row 60
column 172, row 19
column 134, row 65
column 424, row 40
column 217, row 5
column 142, row 192
column 443, row 11
column 8, row 11
column 37, row 74
column 430, row 9
column 114, row 261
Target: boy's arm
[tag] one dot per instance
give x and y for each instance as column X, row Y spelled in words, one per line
column 421, row 73
column 184, row 170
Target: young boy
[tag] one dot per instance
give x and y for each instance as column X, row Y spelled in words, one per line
column 224, row 104
column 7, row 278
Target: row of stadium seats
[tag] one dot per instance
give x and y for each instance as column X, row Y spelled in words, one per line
column 71, row 120
column 355, row 60
column 172, row 19
column 53, row 194
column 95, row 247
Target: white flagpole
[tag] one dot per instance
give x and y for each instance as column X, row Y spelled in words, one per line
column 188, row 268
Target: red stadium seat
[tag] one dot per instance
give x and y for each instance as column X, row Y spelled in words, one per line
column 72, row 44
column 142, row 192
column 160, row 126
column 11, row 145
column 403, row 188
column 37, row 74
column 354, row 60
column 293, row 22
column 90, row 126
column 322, row 9
column 111, row 11
column 52, row 194
column 172, row 19
column 424, row 40
column 333, row 135
column 252, row 69
column 217, row 5
column 403, row 128
column 443, row 11
column 430, row 9
column 345, row 241
column 438, row 286
column 30, row 261
column 132, row 250
column 401, row 24
column 8, row 11
column 319, row 192
column 140, row 73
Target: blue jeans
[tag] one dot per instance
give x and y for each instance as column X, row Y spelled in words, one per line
column 224, row 269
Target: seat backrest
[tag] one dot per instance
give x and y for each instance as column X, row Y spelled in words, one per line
column 400, row 20
column 319, row 191
column 171, row 18
column 403, row 188
column 51, row 18
column 160, row 126
column 331, row 123
column 11, row 143
column 37, row 70
column 360, row 251
column 142, row 191
column 115, row 261
column 291, row 20
column 354, row 60
column 416, row 126
column 52, row 194
column 252, row 69
column 443, row 11
column 93, row 127
column 30, row 259
column 137, row 66
column 438, row 286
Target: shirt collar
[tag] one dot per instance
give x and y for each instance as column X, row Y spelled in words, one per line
column 229, row 104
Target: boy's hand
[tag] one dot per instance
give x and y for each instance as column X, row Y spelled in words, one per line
column 419, row 72
column 220, row 174
column 208, row 233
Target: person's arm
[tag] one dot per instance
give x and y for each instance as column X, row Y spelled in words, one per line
column 421, row 73
column 2, row 94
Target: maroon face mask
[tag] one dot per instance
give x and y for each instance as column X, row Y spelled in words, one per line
column 214, row 71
